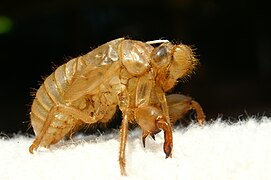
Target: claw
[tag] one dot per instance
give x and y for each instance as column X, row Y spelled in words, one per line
column 33, row 147
column 200, row 114
column 143, row 141
column 168, row 144
column 144, row 135
column 152, row 121
column 153, row 137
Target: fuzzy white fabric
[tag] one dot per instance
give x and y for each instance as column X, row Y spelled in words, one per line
column 215, row 151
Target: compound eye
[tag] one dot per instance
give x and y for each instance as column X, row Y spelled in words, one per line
column 160, row 56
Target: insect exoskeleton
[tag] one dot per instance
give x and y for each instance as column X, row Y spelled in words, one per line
column 128, row 74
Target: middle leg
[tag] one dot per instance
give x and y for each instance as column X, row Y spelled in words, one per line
column 127, row 116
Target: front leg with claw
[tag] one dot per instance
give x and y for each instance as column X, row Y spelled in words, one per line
column 152, row 121
column 179, row 105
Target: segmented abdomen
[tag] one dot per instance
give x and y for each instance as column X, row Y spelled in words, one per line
column 49, row 94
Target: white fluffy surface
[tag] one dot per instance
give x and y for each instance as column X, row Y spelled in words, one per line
column 216, row 151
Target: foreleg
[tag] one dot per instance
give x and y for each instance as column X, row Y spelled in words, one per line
column 179, row 105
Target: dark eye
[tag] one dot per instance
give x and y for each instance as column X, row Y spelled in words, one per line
column 161, row 52
column 160, row 56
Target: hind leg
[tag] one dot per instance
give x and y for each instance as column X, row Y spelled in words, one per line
column 179, row 105
column 50, row 134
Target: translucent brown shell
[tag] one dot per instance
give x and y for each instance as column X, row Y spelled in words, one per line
column 124, row 73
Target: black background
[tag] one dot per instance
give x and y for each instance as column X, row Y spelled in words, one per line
column 232, row 40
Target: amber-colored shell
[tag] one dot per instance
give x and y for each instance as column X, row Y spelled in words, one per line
column 132, row 75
